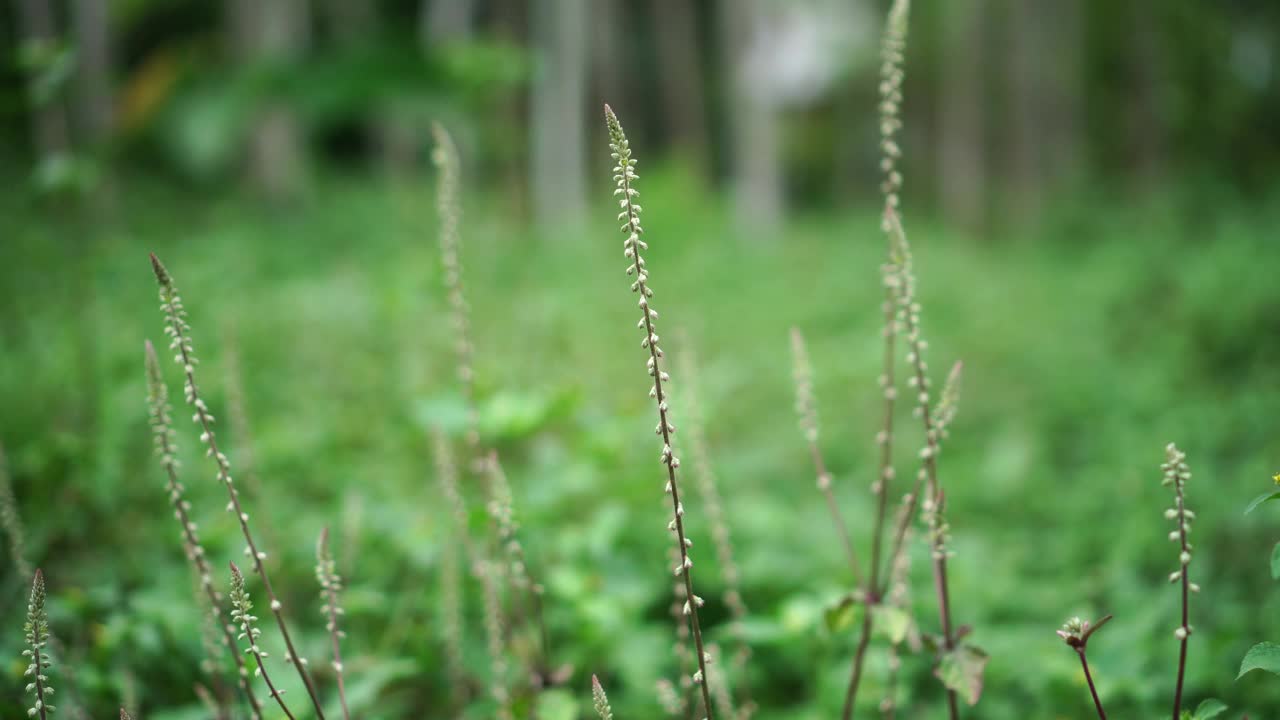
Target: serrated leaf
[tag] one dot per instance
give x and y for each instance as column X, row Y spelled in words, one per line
column 1263, row 656
column 961, row 670
column 1208, row 709
column 893, row 622
column 1264, row 497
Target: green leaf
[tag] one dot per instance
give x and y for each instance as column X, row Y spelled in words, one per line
column 1264, row 497
column 557, row 704
column 1275, row 562
column 1263, row 656
column 1210, row 708
column 961, row 670
column 843, row 614
column 893, row 622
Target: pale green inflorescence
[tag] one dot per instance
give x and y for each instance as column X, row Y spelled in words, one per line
column 629, row 216
column 893, row 54
column 242, row 615
column 37, row 654
column 600, row 700
column 330, row 589
column 1176, row 474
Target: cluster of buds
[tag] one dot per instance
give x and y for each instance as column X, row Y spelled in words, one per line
column 1076, row 632
column 330, row 589
column 37, row 653
column 892, row 56
column 600, row 700
column 242, row 615
column 1176, row 474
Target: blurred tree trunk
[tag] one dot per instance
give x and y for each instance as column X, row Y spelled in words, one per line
column 1044, row 70
column 1146, row 124
column 273, row 34
column 680, row 81
column 94, row 97
column 39, row 35
column 558, row 110
column 962, row 171
column 755, row 152
column 443, row 21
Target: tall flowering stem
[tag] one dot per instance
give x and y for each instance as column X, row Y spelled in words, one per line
column 451, row 575
column 449, row 207
column 624, row 176
column 330, row 588
column 179, row 331
column 164, row 439
column 934, row 501
column 1176, row 475
column 893, row 47
column 487, row 573
column 37, row 638
column 704, row 473
column 502, row 511
column 242, row 615
column 807, row 410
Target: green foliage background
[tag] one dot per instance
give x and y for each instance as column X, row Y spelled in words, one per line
column 1086, row 350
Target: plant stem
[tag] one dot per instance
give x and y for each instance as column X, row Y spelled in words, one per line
column 1097, row 702
column 181, row 342
column 249, row 632
column 162, row 432
column 331, row 583
column 633, row 244
column 920, row 383
column 884, row 439
column 1182, row 650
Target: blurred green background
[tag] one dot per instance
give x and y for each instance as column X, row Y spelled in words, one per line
column 1091, row 189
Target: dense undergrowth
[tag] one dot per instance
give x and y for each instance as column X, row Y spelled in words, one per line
column 1088, row 343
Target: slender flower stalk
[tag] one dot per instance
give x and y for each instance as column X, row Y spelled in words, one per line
column 1176, row 475
column 680, row 648
column 37, row 638
column 485, row 572
column 330, row 588
column 897, row 596
column 166, row 449
column 451, row 575
column 499, row 684
column 600, row 700
column 807, row 411
column 705, row 475
column 243, row 617
column 502, row 511
column 179, row 331
column 1075, row 633
column 720, row 687
column 449, row 207
column 934, row 502
column 632, row 247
